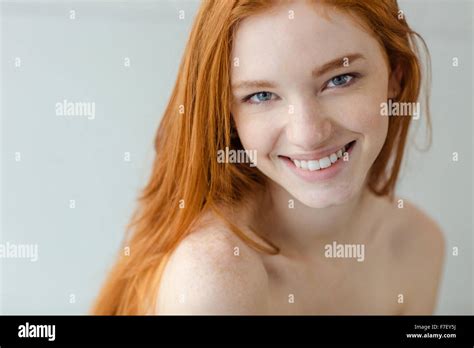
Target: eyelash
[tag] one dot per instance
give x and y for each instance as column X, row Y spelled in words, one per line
column 350, row 82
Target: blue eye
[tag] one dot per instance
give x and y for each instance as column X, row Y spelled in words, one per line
column 259, row 98
column 340, row 80
column 336, row 82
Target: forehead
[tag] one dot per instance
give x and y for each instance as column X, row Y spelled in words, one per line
column 296, row 34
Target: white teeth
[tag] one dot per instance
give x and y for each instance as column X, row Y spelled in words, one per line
column 322, row 163
column 325, row 162
column 313, row 165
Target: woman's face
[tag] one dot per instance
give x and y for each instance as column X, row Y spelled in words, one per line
column 306, row 82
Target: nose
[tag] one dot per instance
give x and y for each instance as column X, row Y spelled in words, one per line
column 308, row 126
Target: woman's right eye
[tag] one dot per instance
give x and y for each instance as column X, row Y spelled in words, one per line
column 259, row 97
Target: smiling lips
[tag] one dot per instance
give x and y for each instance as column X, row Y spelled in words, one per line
column 322, row 163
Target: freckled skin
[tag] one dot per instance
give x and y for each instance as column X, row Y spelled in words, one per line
column 272, row 47
column 400, row 244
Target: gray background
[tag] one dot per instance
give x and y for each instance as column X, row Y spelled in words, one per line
column 81, row 159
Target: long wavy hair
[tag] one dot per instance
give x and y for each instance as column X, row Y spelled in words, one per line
column 186, row 178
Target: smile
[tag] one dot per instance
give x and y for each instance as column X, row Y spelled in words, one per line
column 324, row 162
column 327, row 166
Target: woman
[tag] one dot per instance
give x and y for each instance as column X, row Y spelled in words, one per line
column 307, row 222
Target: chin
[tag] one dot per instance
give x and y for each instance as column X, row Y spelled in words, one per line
column 325, row 197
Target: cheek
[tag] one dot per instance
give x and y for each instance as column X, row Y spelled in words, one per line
column 256, row 133
column 362, row 115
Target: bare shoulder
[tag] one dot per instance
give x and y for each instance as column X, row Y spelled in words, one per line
column 213, row 272
column 417, row 248
column 415, row 230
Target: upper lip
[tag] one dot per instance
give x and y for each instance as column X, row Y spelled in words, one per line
column 318, row 154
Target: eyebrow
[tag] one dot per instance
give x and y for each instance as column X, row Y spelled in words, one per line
column 318, row 71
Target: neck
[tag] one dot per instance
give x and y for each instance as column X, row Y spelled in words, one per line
column 300, row 230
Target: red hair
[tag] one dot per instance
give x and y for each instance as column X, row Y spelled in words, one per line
column 186, row 178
